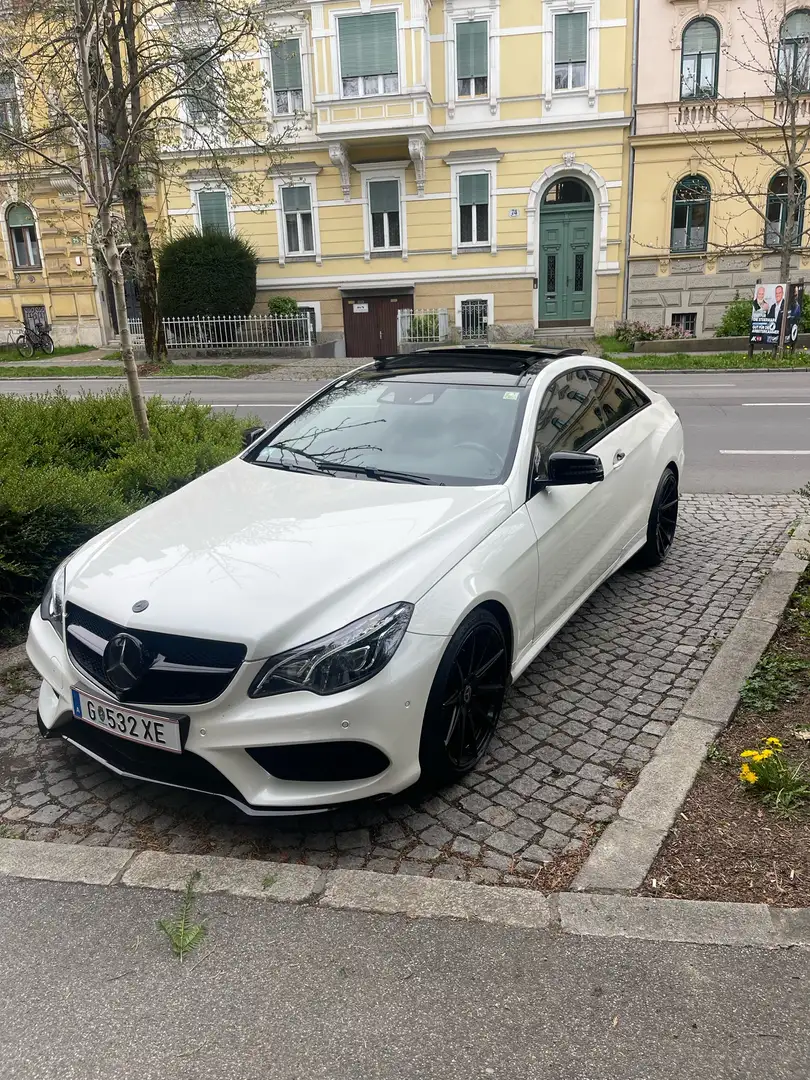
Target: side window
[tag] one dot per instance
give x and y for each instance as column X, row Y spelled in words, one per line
column 618, row 400
column 570, row 418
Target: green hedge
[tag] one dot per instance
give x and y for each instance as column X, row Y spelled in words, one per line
column 209, row 273
column 70, row 468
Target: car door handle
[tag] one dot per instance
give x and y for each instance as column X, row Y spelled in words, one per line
column 618, row 458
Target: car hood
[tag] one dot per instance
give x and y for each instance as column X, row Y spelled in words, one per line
column 273, row 559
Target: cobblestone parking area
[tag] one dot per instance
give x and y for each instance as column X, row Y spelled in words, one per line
column 585, row 717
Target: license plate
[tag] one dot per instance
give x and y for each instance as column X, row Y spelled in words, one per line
column 160, row 732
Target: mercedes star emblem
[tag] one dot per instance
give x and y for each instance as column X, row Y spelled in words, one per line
column 140, row 605
column 124, row 662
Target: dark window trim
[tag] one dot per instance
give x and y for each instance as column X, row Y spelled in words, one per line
column 698, row 96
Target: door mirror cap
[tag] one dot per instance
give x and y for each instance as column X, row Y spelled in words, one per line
column 251, row 435
column 566, row 469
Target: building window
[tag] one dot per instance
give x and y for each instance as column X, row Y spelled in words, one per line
column 690, row 214
column 383, row 200
column 368, row 54
column 22, row 232
column 285, row 65
column 472, row 58
column 685, row 321
column 473, row 208
column 570, row 51
column 794, row 53
column 776, row 210
column 296, row 202
column 201, row 93
column 700, row 52
column 474, row 318
column 212, row 208
column 9, row 106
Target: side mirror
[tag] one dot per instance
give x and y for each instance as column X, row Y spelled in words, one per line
column 566, row 469
column 251, row 435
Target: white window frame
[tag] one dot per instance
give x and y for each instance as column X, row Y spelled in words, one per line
column 475, row 11
column 590, row 8
column 490, row 299
column 9, row 244
column 387, row 246
column 300, row 35
column 569, row 89
column 284, row 213
column 196, row 188
column 364, row 8
column 316, row 307
column 384, row 170
column 473, row 167
column 291, row 178
column 475, row 243
column 473, row 97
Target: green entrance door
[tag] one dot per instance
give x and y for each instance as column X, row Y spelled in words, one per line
column 566, row 254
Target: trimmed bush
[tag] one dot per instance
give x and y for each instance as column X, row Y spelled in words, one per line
column 208, row 273
column 632, row 330
column 70, row 468
column 282, row 305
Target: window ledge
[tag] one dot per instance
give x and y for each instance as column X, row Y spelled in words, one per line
column 474, row 249
column 386, row 253
column 28, row 269
column 307, row 257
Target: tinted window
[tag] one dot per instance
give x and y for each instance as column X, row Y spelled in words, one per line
column 618, row 400
column 570, row 418
column 451, row 433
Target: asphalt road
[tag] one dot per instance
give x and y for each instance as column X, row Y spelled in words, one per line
column 278, row 992
column 745, row 432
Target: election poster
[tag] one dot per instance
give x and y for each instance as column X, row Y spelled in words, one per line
column 774, row 305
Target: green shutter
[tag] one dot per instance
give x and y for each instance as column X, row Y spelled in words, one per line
column 213, row 206
column 295, row 199
column 701, row 36
column 368, row 44
column 571, row 38
column 384, row 196
column 19, row 214
column 285, row 57
column 473, row 189
column 472, row 50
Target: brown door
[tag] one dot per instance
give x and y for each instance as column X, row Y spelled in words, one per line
column 370, row 323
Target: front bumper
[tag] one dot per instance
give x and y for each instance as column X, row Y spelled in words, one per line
column 385, row 713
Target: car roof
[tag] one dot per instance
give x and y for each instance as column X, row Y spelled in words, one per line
column 472, row 363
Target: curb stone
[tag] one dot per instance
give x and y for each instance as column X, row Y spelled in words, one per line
column 577, row 914
column 624, row 853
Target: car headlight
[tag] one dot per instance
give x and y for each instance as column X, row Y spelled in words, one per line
column 52, row 605
column 333, row 663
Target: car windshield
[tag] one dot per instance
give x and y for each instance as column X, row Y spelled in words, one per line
column 403, row 429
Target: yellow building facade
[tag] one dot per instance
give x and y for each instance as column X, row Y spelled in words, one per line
column 465, row 160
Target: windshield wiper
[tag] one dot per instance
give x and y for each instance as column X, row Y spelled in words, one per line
column 386, row 475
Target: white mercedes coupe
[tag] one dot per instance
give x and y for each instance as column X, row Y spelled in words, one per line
column 340, row 610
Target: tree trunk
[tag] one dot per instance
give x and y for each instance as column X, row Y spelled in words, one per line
column 113, row 259
column 144, row 261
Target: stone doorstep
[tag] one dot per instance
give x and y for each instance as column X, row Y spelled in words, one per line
column 624, row 853
column 579, row 914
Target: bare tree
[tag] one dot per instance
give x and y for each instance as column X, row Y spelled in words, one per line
column 111, row 90
column 744, row 140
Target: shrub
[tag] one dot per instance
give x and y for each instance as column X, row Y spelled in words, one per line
column 208, row 273
column 630, row 331
column 282, row 305
column 424, row 327
column 69, row 469
column 736, row 320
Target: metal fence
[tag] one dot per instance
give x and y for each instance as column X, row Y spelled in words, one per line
column 226, row 332
column 474, row 319
column 429, row 324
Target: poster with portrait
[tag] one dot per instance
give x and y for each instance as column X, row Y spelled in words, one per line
column 767, row 314
column 795, row 297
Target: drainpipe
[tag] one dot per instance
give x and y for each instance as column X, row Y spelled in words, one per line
column 631, row 170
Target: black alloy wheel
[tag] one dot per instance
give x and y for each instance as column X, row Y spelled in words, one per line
column 663, row 521
column 466, row 699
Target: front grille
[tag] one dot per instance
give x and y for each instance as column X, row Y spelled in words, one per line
column 156, row 686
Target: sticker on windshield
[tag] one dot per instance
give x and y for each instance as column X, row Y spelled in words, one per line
column 511, row 395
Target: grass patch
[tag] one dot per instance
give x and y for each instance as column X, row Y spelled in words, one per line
column 772, row 682
column 707, row 361
column 7, row 833
column 152, row 371
column 183, row 933
column 9, row 352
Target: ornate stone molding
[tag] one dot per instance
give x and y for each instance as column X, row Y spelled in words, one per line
column 340, row 159
column 416, row 152
column 598, row 187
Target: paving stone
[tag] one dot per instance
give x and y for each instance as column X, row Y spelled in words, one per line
column 462, row 846
column 498, row 816
column 436, row 836
column 507, row 842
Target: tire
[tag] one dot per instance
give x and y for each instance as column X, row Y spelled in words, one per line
column 46, row 343
column 24, row 346
column 663, row 521
column 465, row 700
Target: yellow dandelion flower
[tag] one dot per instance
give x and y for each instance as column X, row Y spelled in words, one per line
column 763, row 754
column 774, row 742
column 749, row 753
column 748, row 774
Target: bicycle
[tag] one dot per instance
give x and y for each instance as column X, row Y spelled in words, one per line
column 32, row 339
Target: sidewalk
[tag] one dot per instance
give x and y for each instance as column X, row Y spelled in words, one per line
column 284, row 992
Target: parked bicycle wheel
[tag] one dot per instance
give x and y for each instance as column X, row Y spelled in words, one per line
column 46, row 343
column 24, row 346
